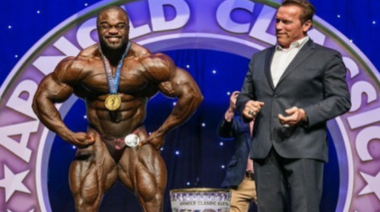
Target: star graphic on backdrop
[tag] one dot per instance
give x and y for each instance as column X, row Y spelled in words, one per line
column 12, row 211
column 13, row 182
column 373, row 184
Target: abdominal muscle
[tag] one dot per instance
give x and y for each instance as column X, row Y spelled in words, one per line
column 119, row 123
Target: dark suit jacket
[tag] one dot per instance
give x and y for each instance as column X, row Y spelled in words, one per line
column 315, row 81
column 239, row 132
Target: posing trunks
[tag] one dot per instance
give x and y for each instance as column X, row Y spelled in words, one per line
column 116, row 146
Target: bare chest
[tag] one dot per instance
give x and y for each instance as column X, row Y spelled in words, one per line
column 132, row 79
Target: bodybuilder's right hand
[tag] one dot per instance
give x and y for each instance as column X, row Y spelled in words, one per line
column 80, row 139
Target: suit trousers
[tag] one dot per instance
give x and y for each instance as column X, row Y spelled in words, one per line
column 284, row 183
column 243, row 195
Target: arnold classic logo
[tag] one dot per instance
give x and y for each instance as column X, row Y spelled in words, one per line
column 25, row 143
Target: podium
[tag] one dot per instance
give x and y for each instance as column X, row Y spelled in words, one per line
column 200, row 200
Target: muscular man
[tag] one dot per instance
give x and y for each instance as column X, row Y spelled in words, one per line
column 116, row 78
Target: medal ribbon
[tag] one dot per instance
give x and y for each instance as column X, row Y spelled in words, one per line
column 113, row 82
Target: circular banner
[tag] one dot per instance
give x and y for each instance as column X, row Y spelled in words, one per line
column 240, row 27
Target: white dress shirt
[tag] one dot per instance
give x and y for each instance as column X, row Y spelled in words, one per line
column 282, row 58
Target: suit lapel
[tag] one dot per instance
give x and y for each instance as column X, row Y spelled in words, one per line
column 268, row 62
column 304, row 53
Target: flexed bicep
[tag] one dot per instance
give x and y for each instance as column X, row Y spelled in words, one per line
column 174, row 82
column 48, row 93
column 53, row 89
column 183, row 87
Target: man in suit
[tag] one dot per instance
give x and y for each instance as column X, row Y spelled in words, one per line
column 239, row 176
column 292, row 90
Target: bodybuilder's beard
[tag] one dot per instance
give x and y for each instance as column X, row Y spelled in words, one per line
column 107, row 49
column 113, row 46
column 118, row 46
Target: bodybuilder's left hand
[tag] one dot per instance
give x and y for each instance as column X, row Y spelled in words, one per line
column 156, row 139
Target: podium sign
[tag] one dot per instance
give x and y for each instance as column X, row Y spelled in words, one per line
column 200, row 200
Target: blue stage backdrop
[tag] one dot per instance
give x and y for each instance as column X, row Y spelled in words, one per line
column 213, row 40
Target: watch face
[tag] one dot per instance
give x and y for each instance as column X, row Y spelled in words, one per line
column 132, row 140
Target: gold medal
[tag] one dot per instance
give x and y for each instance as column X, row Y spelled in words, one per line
column 112, row 102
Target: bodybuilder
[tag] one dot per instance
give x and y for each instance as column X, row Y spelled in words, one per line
column 116, row 78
